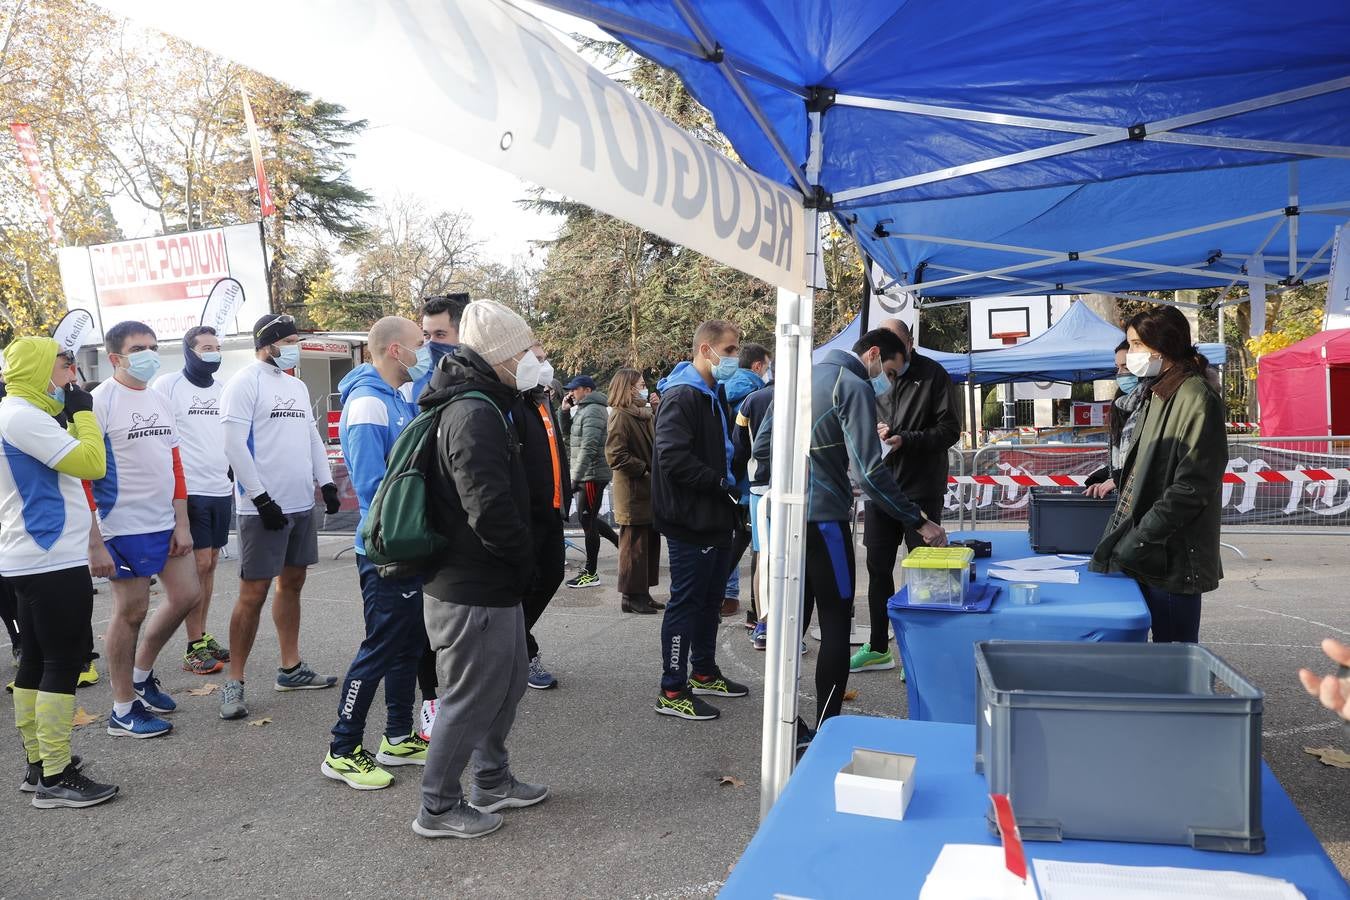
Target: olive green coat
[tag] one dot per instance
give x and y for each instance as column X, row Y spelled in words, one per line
column 628, row 450
column 1164, row 532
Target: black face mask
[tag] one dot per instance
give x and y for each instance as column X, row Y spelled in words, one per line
column 197, row 370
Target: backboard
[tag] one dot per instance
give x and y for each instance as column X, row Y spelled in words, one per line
column 997, row 322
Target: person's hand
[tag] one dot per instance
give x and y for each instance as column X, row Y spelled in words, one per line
column 894, row 441
column 1100, row 489
column 273, row 519
column 180, row 544
column 331, row 501
column 1332, row 690
column 883, row 430
column 933, row 534
column 568, row 402
column 77, row 400
column 100, row 560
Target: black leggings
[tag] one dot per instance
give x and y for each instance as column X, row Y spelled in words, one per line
column 54, row 610
column 830, row 579
column 426, row 673
column 594, row 527
column 549, row 561
column 9, row 612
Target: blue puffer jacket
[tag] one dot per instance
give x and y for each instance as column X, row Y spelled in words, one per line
column 373, row 416
column 739, row 386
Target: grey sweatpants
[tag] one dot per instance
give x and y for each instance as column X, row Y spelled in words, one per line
column 482, row 666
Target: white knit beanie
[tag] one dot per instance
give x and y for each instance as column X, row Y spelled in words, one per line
column 493, row 331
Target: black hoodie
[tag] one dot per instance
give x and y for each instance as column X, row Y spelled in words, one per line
column 481, row 499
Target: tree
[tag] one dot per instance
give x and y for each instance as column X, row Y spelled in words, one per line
column 412, row 254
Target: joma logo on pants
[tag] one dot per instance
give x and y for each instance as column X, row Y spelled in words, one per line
column 675, row 652
column 349, row 701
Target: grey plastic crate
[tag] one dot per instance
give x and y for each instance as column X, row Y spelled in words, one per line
column 1155, row 743
column 1067, row 522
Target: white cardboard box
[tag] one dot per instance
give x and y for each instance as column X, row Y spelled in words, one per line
column 875, row 783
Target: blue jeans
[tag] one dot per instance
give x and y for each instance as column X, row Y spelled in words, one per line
column 1176, row 617
column 689, row 627
column 389, row 653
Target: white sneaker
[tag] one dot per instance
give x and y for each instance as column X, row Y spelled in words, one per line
column 426, row 719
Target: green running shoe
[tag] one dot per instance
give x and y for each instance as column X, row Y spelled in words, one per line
column 358, row 769
column 219, row 652
column 685, row 705
column 866, row 660
column 411, row 751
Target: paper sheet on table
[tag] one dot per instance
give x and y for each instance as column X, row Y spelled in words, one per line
column 1038, row 576
column 1044, row 562
column 1092, row 881
column 974, row 872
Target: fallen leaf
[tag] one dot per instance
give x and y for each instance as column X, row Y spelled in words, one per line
column 209, row 688
column 850, row 694
column 266, row 720
column 731, row 780
column 83, row 718
column 1330, row 756
column 1268, row 558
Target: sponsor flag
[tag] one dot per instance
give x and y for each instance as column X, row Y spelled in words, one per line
column 28, row 152
column 264, row 191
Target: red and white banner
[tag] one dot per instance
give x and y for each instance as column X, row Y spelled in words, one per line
column 1262, row 477
column 28, row 152
column 264, row 191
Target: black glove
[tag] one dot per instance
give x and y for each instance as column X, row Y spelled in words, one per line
column 331, row 502
column 77, row 400
column 273, row 518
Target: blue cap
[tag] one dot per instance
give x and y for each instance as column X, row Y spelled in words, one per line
column 585, row 381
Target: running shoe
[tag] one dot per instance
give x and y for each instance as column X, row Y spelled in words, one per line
column 426, row 719
column 685, row 705
column 154, row 699
column 866, row 660
column 73, row 790
column 200, row 660
column 88, row 676
column 358, row 769
column 219, row 652
column 302, row 679
column 760, row 636
column 459, row 821
column 584, row 580
column 512, row 794
column 411, row 751
column 540, row 678
column 139, row 723
column 232, row 700
column 32, row 778
column 717, row 685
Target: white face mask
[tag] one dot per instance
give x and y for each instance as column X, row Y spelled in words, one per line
column 527, row 372
column 1143, row 363
column 545, row 373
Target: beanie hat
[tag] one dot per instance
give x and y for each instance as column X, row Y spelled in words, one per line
column 272, row 328
column 494, row 332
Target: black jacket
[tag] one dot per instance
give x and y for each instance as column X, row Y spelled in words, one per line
column 538, row 460
column 691, row 499
column 754, row 410
column 481, row 498
column 921, row 408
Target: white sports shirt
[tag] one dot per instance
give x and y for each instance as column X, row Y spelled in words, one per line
column 136, row 495
column 271, row 440
column 201, row 433
column 44, row 516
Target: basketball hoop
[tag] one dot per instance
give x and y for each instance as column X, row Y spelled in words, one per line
column 1008, row 337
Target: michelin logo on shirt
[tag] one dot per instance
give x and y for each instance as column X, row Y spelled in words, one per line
column 146, row 426
column 285, row 409
column 200, row 407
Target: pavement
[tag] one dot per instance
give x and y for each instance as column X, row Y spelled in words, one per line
column 641, row 805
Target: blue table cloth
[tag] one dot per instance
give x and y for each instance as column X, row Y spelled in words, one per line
column 937, row 648
column 806, row 849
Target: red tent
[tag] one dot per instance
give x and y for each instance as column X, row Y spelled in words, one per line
column 1304, row 389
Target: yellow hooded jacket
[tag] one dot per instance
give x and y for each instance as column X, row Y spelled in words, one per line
column 28, row 374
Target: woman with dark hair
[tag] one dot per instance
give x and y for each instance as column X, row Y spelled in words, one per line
column 1165, row 529
column 628, row 450
column 1124, row 407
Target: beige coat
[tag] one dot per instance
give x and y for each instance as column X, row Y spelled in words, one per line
column 628, row 450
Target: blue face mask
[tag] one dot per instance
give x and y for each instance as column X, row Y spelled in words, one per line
column 58, row 394
column 210, row 357
column 1127, row 383
column 726, row 367
column 423, row 364
column 880, row 383
column 142, row 365
column 289, row 357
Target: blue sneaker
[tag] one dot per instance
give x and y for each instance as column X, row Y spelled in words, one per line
column 760, row 636
column 154, row 699
column 540, row 678
column 139, row 723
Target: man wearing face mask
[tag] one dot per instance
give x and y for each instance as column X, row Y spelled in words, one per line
column 917, row 421
column 269, row 426
column 844, row 391
column 480, row 492
column 143, row 525
column 194, row 395
column 440, row 329
column 374, row 413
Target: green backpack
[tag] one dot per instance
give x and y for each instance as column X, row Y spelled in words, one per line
column 399, row 532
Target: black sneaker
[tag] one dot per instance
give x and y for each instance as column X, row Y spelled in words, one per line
column 73, row 790
column 805, row 734
column 685, row 705
column 717, row 685
column 33, row 777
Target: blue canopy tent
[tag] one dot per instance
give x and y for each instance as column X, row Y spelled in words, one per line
column 956, row 364
column 981, row 147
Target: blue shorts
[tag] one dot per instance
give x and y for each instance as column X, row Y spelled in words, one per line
column 210, row 519
column 139, row 555
column 755, row 536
